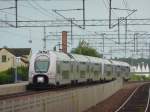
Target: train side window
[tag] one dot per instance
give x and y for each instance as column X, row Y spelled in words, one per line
column 71, row 67
column 82, row 63
column 96, row 73
column 77, row 68
column 100, row 65
column 88, row 68
column 65, row 75
column 91, row 69
column 118, row 74
column 100, row 68
column 82, row 74
column 58, row 68
column 65, row 62
column 109, row 73
column 96, row 64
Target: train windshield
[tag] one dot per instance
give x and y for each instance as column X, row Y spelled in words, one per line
column 41, row 64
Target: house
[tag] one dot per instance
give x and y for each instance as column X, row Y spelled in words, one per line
column 12, row 57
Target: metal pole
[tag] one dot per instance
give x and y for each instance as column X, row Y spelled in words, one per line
column 71, row 33
column 118, row 31
column 126, row 29
column 15, row 68
column 134, row 41
column 149, row 50
column 16, row 74
column 110, row 13
column 83, row 14
column 44, row 39
column 16, row 5
column 103, row 43
column 136, row 45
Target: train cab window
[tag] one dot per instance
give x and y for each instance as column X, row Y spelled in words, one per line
column 41, row 64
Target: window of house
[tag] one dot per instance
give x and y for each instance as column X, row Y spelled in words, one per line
column 3, row 58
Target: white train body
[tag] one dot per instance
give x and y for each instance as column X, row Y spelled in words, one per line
column 57, row 68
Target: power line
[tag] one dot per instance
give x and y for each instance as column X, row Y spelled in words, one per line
column 34, row 7
column 7, row 8
column 15, row 14
column 43, row 8
column 105, row 4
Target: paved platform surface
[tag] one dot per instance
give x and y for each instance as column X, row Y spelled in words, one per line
column 13, row 88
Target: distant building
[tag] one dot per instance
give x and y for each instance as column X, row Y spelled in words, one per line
column 141, row 69
column 12, row 57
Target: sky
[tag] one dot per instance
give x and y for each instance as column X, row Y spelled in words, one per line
column 43, row 10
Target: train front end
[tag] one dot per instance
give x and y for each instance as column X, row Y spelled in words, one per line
column 39, row 71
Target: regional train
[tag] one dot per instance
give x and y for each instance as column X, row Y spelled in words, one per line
column 51, row 68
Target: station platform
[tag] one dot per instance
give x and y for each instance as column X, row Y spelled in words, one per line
column 13, row 88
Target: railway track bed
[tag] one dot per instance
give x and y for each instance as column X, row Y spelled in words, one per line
column 138, row 101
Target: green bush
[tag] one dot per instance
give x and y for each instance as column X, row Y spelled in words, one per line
column 8, row 76
column 84, row 49
column 22, row 73
column 139, row 78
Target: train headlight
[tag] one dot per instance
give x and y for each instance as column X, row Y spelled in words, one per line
column 40, row 79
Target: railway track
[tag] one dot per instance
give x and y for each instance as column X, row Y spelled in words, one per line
column 138, row 101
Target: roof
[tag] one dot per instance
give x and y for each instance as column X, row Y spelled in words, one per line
column 120, row 63
column 80, row 58
column 18, row 51
column 94, row 59
column 62, row 56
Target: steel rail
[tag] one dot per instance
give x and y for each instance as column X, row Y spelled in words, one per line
column 148, row 102
column 126, row 101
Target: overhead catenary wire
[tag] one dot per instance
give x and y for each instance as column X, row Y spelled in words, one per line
column 1, row 11
column 45, row 10
column 37, row 9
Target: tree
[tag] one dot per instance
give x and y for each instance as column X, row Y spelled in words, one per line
column 84, row 49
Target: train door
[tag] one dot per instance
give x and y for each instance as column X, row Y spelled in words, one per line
column 102, row 72
column 74, row 73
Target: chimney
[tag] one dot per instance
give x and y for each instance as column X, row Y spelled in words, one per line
column 64, row 41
